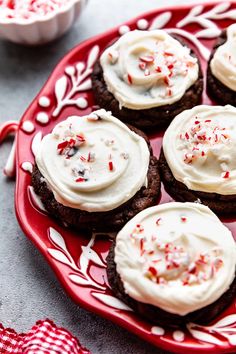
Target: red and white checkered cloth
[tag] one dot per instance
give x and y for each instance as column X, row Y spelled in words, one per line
column 44, row 338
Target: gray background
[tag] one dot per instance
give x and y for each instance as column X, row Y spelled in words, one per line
column 29, row 289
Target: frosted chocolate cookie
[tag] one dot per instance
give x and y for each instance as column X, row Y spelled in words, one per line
column 94, row 172
column 198, row 159
column 221, row 73
column 146, row 78
column 174, row 263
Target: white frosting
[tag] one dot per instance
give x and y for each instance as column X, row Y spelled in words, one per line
column 200, row 148
column 176, row 256
column 146, row 69
column 36, row 141
column 223, row 63
column 93, row 163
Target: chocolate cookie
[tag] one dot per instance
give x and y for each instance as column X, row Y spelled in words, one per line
column 158, row 316
column 220, row 204
column 157, row 116
column 173, row 264
column 197, row 161
column 216, row 89
column 100, row 221
column 79, row 218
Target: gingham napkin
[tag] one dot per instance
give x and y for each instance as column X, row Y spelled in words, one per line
column 44, row 338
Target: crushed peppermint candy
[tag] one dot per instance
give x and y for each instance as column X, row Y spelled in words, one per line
column 91, row 157
column 204, row 137
column 138, row 230
column 93, row 117
column 124, row 155
column 110, row 166
column 70, row 145
column 142, row 66
column 80, row 179
column 129, row 78
column 113, row 56
column 81, row 171
column 29, row 9
column 85, row 159
column 147, row 58
column 165, row 65
column 109, row 142
column 82, row 158
column 225, row 174
column 164, row 262
column 147, row 72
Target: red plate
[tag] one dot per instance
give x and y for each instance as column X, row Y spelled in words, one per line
column 79, row 262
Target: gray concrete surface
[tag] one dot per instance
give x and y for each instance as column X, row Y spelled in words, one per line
column 29, row 289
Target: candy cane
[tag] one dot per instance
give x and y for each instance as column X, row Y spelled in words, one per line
column 6, row 129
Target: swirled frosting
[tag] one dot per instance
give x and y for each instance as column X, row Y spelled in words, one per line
column 93, row 163
column 200, row 148
column 146, row 69
column 176, row 256
column 223, row 63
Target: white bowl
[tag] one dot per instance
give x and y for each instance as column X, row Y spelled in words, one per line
column 44, row 29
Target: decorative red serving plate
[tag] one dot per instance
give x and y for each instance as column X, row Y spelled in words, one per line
column 79, row 261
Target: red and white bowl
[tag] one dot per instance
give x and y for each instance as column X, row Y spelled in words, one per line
column 44, row 29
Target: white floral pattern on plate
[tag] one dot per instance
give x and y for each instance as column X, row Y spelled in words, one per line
column 78, row 79
column 82, row 275
column 226, row 328
column 203, row 19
